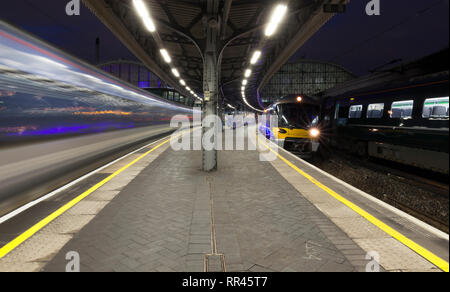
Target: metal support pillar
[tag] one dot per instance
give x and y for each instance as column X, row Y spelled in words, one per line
column 211, row 80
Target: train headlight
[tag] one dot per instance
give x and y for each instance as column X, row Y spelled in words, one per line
column 314, row 132
column 282, row 131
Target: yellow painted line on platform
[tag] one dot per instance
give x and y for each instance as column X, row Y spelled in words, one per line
column 44, row 222
column 428, row 255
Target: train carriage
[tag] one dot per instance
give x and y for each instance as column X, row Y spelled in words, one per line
column 407, row 123
column 296, row 127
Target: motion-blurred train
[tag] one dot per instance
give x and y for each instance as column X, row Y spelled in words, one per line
column 45, row 93
column 293, row 123
column 402, row 119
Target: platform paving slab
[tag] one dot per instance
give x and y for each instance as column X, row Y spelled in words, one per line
column 163, row 220
column 164, row 214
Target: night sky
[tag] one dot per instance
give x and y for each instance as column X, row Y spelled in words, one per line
column 406, row 29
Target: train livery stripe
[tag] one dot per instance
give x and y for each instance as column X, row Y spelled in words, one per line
column 44, row 222
column 428, row 255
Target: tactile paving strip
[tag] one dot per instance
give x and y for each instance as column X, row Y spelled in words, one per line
column 393, row 254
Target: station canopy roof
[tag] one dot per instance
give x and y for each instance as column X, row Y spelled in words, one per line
column 245, row 26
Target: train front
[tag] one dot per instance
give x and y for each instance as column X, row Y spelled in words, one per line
column 298, row 124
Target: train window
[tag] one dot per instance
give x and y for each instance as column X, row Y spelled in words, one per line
column 315, row 122
column 170, row 95
column 436, row 108
column 375, row 111
column 402, row 109
column 336, row 113
column 355, row 112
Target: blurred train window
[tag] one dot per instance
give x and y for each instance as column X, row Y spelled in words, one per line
column 355, row 112
column 375, row 111
column 402, row 109
column 436, row 108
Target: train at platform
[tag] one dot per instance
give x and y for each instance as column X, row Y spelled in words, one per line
column 46, row 93
column 293, row 123
column 399, row 115
column 406, row 121
column 61, row 118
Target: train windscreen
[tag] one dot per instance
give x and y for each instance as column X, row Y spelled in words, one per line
column 298, row 115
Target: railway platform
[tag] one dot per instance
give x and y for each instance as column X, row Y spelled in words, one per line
column 155, row 210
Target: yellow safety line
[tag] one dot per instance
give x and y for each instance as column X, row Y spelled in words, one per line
column 434, row 259
column 38, row 226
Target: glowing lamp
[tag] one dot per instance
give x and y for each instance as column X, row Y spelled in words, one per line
column 314, row 132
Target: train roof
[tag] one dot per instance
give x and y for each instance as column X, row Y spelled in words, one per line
column 431, row 68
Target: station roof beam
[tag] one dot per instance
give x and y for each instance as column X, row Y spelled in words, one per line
column 274, row 28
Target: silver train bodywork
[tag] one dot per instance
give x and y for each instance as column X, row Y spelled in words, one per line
column 61, row 118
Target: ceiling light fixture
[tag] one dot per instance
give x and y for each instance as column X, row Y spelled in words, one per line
column 255, row 57
column 175, row 72
column 166, row 56
column 142, row 11
column 276, row 18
